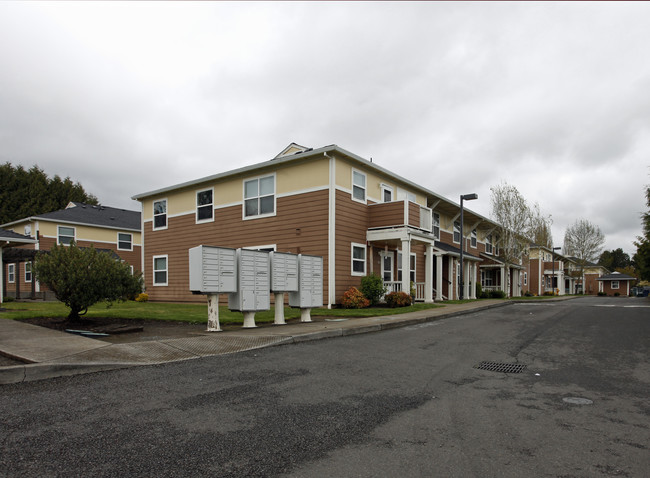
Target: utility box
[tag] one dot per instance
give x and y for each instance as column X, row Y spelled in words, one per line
column 253, row 276
column 213, row 270
column 310, row 279
column 284, row 272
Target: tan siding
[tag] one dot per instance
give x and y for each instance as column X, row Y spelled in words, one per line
column 386, row 214
column 414, row 214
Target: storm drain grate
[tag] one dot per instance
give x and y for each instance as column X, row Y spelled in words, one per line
column 502, row 367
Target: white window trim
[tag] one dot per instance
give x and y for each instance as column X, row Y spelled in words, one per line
column 31, row 272
column 153, row 278
column 618, row 284
column 473, row 240
column 386, row 187
column 352, row 259
column 393, row 272
column 488, row 242
column 275, row 197
column 365, row 188
column 11, row 273
column 525, row 278
column 153, row 217
column 118, row 241
column 196, row 216
column 412, row 255
column 264, row 247
column 453, row 233
column 58, row 234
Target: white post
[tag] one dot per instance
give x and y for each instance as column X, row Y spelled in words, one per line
column 503, row 280
column 452, row 279
column 439, row 277
column 249, row 320
column 466, row 279
column 428, row 275
column 472, row 291
column 305, row 315
column 213, row 313
column 2, row 273
column 279, row 309
column 406, row 266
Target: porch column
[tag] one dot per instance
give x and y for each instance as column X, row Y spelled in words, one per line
column 439, row 277
column 467, row 279
column 2, row 277
column 503, row 280
column 406, row 266
column 372, row 259
column 428, row 275
column 472, row 290
column 516, row 283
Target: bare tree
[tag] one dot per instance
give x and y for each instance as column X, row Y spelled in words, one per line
column 584, row 241
column 511, row 211
column 540, row 228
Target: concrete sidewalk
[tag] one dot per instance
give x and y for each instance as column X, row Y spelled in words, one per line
column 48, row 353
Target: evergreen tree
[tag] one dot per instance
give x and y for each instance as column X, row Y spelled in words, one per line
column 25, row 193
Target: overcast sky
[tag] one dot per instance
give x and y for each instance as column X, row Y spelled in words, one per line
column 553, row 98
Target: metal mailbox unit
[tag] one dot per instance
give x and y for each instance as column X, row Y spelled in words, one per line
column 284, row 278
column 213, row 271
column 253, row 277
column 310, row 291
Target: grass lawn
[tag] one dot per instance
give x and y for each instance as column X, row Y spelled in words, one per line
column 193, row 313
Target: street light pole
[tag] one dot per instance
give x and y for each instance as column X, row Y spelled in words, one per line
column 463, row 197
column 553, row 259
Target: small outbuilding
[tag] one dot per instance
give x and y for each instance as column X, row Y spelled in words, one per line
column 616, row 283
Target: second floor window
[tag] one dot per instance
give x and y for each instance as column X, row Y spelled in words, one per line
column 473, row 239
column 436, row 225
column 204, row 205
column 28, row 271
column 488, row 244
column 124, row 241
column 457, row 232
column 358, row 186
column 66, row 235
column 160, row 214
column 11, row 273
column 259, row 196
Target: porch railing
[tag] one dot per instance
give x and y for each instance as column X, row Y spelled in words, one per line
column 395, row 286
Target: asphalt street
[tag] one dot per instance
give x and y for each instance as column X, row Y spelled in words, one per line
column 402, row 402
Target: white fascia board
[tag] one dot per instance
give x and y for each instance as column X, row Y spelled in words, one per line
column 76, row 223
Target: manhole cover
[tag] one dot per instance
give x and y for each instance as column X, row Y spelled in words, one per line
column 501, row 367
column 577, row 401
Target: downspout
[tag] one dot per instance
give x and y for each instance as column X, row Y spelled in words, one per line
column 331, row 234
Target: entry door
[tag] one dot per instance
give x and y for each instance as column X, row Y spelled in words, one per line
column 387, row 266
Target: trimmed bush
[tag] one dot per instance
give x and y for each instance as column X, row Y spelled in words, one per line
column 398, row 299
column 497, row 294
column 601, row 294
column 528, row 294
column 373, row 288
column 143, row 297
column 353, row 298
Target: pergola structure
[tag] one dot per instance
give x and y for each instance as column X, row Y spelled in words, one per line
column 8, row 242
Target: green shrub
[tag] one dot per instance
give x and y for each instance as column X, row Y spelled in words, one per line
column 479, row 291
column 528, row 294
column 373, row 288
column 353, row 298
column 497, row 294
column 8, row 299
column 398, row 299
column 601, row 294
column 617, row 294
column 143, row 297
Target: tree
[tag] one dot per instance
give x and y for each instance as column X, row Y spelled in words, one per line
column 641, row 258
column 25, row 193
column 614, row 260
column 540, row 228
column 81, row 277
column 584, row 241
column 512, row 213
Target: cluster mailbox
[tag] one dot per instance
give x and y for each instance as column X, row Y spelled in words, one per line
column 248, row 276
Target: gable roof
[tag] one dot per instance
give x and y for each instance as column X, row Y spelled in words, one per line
column 616, row 276
column 87, row 214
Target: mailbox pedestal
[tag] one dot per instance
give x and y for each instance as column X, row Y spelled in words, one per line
column 284, row 278
column 252, row 293
column 310, row 290
column 212, row 271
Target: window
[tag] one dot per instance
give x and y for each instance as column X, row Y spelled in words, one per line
column 411, row 266
column 11, row 273
column 358, row 259
column 160, row 214
column 160, row 270
column 28, row 230
column 488, row 244
column 473, row 239
column 259, row 196
column 358, row 186
column 386, row 193
column 525, row 278
column 65, row 235
column 28, row 271
column 124, row 241
column 614, row 284
column 457, row 232
column 204, row 205
column 436, row 225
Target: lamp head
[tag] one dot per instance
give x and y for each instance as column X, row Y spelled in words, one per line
column 469, row 197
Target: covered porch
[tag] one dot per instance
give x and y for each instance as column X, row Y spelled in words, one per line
column 495, row 275
column 9, row 239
